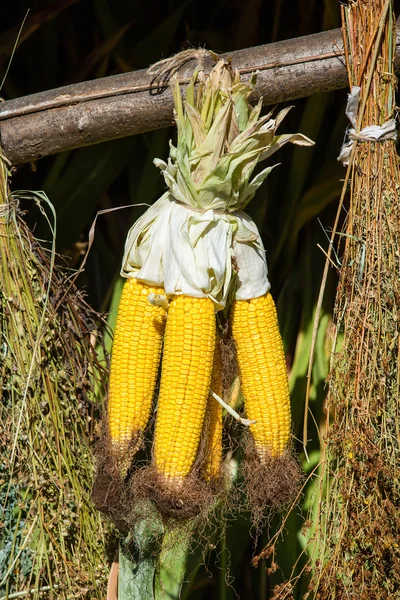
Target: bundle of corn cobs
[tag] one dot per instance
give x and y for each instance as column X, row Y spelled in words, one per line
column 194, row 260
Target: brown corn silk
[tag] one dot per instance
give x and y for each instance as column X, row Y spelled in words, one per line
column 358, row 526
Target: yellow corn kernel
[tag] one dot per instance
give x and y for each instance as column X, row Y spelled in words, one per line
column 185, row 382
column 213, row 451
column 262, row 370
column 134, row 365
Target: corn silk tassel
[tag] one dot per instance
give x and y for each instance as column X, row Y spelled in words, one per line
column 205, row 254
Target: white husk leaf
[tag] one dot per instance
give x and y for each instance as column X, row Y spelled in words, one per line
column 196, row 254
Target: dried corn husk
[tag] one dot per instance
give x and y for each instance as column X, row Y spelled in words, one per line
column 196, row 240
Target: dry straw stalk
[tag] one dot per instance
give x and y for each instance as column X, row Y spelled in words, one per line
column 52, row 539
column 358, row 527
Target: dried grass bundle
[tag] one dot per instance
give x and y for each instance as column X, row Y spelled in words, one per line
column 52, row 539
column 358, row 525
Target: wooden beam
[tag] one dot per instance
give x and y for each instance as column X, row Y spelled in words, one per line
column 112, row 107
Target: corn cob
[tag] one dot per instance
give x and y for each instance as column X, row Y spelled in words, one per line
column 213, row 457
column 262, row 370
column 134, row 366
column 185, row 382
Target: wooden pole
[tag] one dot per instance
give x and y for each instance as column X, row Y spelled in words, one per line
column 112, row 107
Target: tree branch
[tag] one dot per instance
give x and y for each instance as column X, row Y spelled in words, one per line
column 103, row 109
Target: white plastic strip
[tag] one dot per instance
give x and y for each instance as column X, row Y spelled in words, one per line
column 371, row 133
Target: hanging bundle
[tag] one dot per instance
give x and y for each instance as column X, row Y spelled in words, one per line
column 192, row 256
column 52, row 541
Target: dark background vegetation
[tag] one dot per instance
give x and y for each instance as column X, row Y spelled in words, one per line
column 68, row 41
